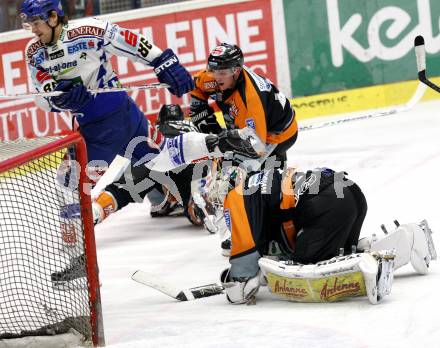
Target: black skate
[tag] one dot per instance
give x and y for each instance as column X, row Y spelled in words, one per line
column 226, row 247
column 76, row 270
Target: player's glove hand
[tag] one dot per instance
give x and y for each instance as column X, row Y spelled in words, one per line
column 204, row 119
column 243, row 142
column 175, row 128
column 170, row 71
column 76, row 96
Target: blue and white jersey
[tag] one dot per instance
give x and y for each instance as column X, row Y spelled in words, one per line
column 83, row 53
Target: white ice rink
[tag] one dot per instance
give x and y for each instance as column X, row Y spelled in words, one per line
column 396, row 162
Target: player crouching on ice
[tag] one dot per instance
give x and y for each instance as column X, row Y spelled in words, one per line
column 313, row 221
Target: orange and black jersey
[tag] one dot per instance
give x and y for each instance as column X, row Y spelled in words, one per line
column 255, row 102
column 276, row 205
column 260, row 210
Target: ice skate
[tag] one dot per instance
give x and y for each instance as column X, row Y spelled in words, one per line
column 76, row 270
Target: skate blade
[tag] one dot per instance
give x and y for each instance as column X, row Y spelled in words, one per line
column 79, row 284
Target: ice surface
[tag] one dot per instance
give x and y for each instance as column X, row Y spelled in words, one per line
column 396, row 162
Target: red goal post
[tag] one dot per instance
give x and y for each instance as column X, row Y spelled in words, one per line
column 33, row 246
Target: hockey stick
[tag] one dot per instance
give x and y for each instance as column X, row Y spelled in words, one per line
column 419, row 46
column 93, row 91
column 418, row 94
column 188, row 294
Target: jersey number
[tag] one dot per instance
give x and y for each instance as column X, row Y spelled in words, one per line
column 144, row 47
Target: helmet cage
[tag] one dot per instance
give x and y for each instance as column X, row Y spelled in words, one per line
column 170, row 112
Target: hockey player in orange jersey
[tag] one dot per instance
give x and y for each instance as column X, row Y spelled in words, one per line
column 245, row 98
column 311, row 222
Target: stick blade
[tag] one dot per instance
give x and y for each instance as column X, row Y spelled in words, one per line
column 184, row 294
column 156, row 283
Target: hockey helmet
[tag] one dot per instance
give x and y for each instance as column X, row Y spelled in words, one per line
column 170, row 112
column 225, row 56
column 32, row 10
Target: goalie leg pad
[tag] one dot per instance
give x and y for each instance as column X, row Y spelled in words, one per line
column 331, row 280
column 412, row 243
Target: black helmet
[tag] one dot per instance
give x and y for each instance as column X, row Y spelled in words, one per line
column 225, row 56
column 169, row 112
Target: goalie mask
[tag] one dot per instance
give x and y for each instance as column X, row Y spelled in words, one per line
column 169, row 112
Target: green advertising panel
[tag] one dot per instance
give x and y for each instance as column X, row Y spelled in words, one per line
column 344, row 44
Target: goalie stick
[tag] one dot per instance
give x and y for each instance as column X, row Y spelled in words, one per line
column 419, row 46
column 187, row 294
column 93, row 91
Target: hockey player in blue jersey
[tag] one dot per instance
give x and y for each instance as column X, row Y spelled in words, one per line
column 76, row 57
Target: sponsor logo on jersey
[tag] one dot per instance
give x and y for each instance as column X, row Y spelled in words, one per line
column 250, row 123
column 85, row 31
column 112, row 32
column 175, row 148
column 83, row 56
column 34, row 48
column 263, row 84
column 42, row 76
column 62, row 66
column 227, row 215
column 303, row 183
column 80, row 46
column 130, row 37
column 39, row 58
column 255, row 179
column 210, row 85
column 266, row 182
column 56, row 55
column 233, row 110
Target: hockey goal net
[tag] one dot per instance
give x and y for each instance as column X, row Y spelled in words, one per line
column 49, row 281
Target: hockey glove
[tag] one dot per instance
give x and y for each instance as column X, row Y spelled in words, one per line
column 238, row 141
column 204, row 119
column 168, row 70
column 240, row 291
column 174, row 128
column 76, row 96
